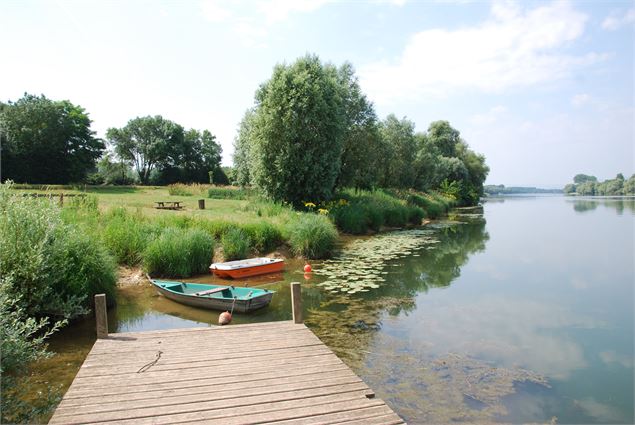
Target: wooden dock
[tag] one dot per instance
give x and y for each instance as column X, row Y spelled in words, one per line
column 273, row 372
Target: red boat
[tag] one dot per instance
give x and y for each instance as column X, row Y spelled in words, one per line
column 245, row 268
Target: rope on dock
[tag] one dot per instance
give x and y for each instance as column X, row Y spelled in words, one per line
column 152, row 363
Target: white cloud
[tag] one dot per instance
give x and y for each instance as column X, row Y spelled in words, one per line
column 580, row 100
column 279, row 10
column 489, row 117
column 251, row 21
column 513, row 48
column 614, row 21
column 215, row 10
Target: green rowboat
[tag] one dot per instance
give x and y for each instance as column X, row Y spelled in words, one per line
column 214, row 297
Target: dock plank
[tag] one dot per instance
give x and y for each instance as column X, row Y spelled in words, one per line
column 273, row 372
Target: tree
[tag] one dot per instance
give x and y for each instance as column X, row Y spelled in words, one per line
column 444, row 138
column 629, row 186
column 298, row 133
column 46, row 141
column 361, row 146
column 583, row 178
column 242, row 151
column 398, row 136
column 148, row 142
column 114, row 172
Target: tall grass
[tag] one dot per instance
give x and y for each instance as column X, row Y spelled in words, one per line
column 264, row 237
column 312, row 236
column 127, row 236
column 179, row 253
column 51, row 267
column 228, row 192
column 360, row 211
column 236, row 244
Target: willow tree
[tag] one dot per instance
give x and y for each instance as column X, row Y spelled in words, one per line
column 298, row 131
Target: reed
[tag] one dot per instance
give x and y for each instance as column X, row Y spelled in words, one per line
column 179, row 253
column 312, row 236
column 236, row 244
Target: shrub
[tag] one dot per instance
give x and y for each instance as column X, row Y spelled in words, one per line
column 312, row 236
column 49, row 266
column 78, row 267
column 264, row 237
column 415, row 214
column 179, row 253
column 236, row 244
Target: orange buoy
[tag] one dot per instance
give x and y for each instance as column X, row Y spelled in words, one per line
column 225, row 318
column 307, row 268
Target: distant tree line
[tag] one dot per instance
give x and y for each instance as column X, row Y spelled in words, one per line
column 587, row 185
column 47, row 141
column 501, row 189
column 312, row 130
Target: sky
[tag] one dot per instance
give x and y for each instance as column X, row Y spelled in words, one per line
column 544, row 89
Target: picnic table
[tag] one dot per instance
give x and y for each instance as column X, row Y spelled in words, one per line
column 168, row 205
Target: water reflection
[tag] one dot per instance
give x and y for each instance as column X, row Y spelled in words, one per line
column 618, row 204
column 537, row 325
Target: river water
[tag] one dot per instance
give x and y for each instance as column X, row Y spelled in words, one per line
column 521, row 314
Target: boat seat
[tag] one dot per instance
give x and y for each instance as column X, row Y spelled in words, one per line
column 210, row 291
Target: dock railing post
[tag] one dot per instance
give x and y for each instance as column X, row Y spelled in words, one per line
column 101, row 316
column 296, row 302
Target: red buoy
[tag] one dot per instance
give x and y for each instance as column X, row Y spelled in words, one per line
column 307, row 268
column 225, row 318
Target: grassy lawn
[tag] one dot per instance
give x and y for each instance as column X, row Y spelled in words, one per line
column 142, row 199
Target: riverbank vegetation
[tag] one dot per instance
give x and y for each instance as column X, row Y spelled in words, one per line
column 586, row 185
column 311, row 158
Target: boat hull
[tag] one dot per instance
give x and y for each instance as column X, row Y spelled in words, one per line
column 238, row 273
column 220, row 304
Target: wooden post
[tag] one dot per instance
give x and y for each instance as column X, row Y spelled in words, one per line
column 61, row 199
column 201, row 204
column 296, row 302
column 101, row 316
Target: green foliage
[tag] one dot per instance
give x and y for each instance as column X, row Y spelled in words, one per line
column 400, row 149
column 243, row 159
column 179, row 253
column 228, row 193
column 583, row 178
column 161, row 149
column 179, row 189
column 354, row 219
column 46, row 141
column 264, row 237
column 629, row 186
column 50, row 267
column 362, row 147
column 360, row 211
column 235, row 244
column 589, row 186
column 312, row 236
column 111, row 172
column 297, row 142
column 127, row 236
